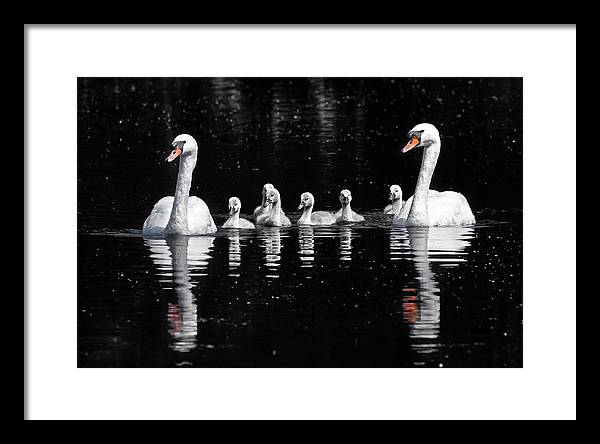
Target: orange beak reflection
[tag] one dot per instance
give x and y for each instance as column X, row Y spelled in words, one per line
column 174, row 154
column 411, row 144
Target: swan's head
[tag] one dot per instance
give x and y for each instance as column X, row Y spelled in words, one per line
column 395, row 192
column 183, row 145
column 345, row 197
column 272, row 197
column 307, row 200
column 421, row 136
column 266, row 188
column 235, row 205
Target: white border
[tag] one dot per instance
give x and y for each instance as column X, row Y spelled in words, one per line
column 544, row 389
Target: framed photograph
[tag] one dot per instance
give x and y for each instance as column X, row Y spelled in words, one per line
column 287, row 215
column 283, row 222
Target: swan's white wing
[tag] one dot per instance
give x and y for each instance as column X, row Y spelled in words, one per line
column 245, row 223
column 156, row 222
column 242, row 223
column 449, row 208
column 285, row 221
column 262, row 218
column 400, row 218
column 357, row 217
column 200, row 220
column 258, row 211
column 165, row 205
column 446, row 208
column 322, row 218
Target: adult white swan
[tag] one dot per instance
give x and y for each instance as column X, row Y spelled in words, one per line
column 182, row 213
column 428, row 207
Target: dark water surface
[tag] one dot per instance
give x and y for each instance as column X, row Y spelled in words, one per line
column 359, row 295
column 356, row 295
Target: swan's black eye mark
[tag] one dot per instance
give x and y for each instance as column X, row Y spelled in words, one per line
column 179, row 144
column 416, row 134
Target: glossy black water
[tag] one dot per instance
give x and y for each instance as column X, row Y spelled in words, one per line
column 352, row 295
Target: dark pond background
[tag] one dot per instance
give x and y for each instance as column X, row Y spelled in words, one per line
column 357, row 295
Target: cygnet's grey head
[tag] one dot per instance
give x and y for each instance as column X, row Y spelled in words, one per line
column 272, row 197
column 235, row 205
column 307, row 200
column 345, row 197
column 395, row 193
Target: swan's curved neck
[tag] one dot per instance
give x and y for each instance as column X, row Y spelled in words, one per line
column 178, row 222
column 347, row 212
column 306, row 215
column 418, row 211
column 234, row 219
column 397, row 205
column 276, row 210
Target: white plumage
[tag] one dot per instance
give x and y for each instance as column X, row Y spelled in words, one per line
column 199, row 220
column 181, row 213
column 310, row 217
column 443, row 208
column 429, row 207
column 346, row 214
column 235, row 221
column 276, row 217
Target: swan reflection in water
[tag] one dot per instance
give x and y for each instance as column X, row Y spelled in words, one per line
column 399, row 244
column 178, row 259
column 306, row 245
column 421, row 302
column 235, row 252
column 345, row 234
column 270, row 241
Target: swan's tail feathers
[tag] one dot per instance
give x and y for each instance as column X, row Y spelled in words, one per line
column 212, row 228
column 464, row 215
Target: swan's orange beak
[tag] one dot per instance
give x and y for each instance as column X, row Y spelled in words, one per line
column 174, row 154
column 413, row 142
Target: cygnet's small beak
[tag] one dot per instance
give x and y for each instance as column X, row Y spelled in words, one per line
column 231, row 211
column 391, row 196
column 301, row 205
column 267, row 202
